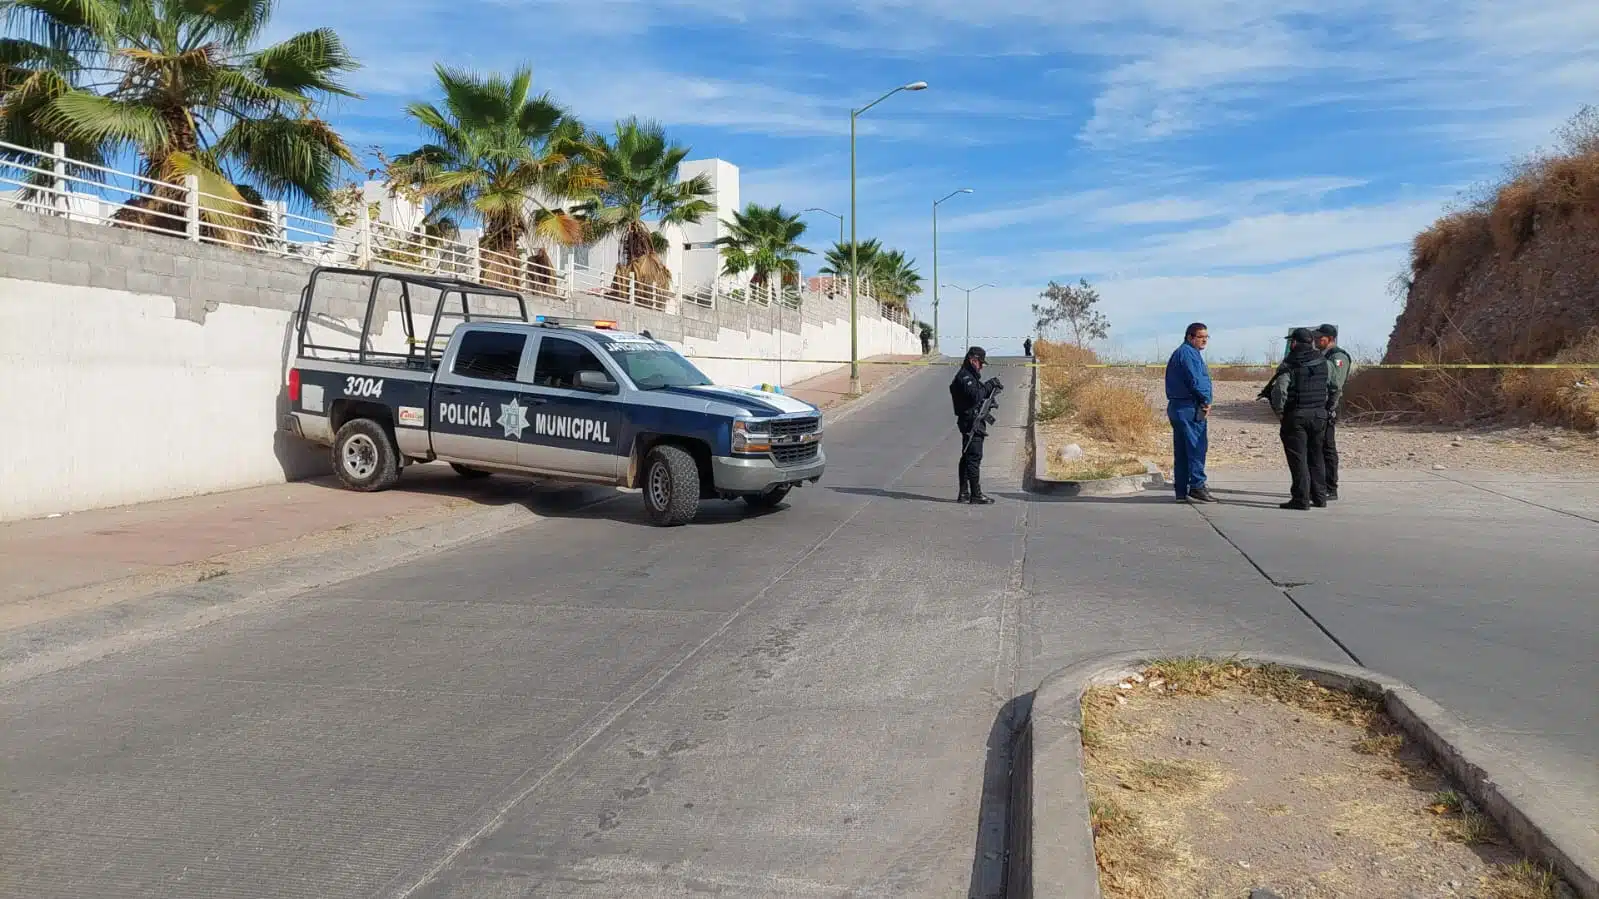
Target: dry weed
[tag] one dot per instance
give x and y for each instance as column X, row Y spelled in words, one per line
column 1133, row 864
column 1116, row 414
column 1192, row 676
column 1522, row 880
column 1564, row 397
column 1538, row 198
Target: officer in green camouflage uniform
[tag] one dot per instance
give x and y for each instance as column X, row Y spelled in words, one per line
column 1339, row 365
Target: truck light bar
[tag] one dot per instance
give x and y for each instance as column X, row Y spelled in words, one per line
column 551, row 321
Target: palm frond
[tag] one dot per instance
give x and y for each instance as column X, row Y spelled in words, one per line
column 91, row 118
column 307, row 62
column 294, row 156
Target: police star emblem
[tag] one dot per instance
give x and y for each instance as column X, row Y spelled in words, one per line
column 513, row 418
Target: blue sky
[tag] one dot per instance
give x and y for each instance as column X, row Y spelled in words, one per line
column 1249, row 163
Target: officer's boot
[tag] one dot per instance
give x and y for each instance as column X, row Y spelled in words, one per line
column 978, row 497
column 966, row 493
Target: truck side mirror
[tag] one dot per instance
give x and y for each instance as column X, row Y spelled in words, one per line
column 597, row 381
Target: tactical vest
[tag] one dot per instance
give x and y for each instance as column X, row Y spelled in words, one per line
column 1308, row 390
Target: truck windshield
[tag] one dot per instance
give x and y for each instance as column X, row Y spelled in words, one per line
column 653, row 366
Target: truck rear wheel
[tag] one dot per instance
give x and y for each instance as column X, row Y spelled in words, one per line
column 768, row 500
column 364, row 456
column 671, row 486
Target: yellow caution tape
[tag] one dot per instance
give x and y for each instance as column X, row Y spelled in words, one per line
column 955, row 360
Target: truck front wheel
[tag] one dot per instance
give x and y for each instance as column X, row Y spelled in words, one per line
column 364, row 456
column 671, row 486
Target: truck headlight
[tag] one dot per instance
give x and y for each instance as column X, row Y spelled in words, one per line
column 751, row 436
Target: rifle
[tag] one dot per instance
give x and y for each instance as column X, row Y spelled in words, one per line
column 985, row 411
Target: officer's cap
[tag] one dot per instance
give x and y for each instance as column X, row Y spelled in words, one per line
column 1302, row 335
column 977, row 351
column 1327, row 330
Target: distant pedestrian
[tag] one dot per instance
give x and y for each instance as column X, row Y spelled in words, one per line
column 1301, row 397
column 1027, row 347
column 1188, row 399
column 1340, row 365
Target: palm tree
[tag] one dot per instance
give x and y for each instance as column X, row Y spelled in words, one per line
column 181, row 85
column 764, row 241
column 837, row 262
column 497, row 153
column 638, row 171
column 895, row 279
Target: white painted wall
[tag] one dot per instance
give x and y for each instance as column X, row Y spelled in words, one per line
column 111, row 398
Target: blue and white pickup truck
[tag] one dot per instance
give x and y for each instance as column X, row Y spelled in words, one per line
column 558, row 399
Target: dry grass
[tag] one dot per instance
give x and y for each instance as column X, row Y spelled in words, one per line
column 1522, row 880
column 1111, row 421
column 1472, row 256
column 1132, row 863
column 1154, row 817
column 1118, row 415
column 1564, row 397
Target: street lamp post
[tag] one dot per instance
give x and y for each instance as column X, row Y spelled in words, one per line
column 969, row 290
column 834, row 215
column 854, row 276
column 964, row 190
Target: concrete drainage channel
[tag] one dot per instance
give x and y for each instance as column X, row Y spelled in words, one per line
column 1050, row 844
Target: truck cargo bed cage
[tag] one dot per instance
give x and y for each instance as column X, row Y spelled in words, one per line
column 419, row 353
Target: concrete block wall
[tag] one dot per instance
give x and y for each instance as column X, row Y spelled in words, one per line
column 143, row 367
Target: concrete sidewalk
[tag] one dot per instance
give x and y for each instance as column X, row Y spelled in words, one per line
column 832, row 389
column 57, row 566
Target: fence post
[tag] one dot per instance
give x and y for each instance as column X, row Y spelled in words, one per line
column 58, row 185
column 363, row 238
column 632, row 289
column 191, row 204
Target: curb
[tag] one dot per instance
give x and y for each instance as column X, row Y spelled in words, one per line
column 1053, row 846
column 1042, row 483
column 61, row 643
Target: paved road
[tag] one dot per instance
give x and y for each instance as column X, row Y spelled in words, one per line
column 796, row 704
column 1480, row 589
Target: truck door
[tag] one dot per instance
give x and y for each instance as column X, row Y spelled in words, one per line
column 575, row 429
column 480, row 410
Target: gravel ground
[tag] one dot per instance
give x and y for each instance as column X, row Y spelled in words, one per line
column 1243, row 437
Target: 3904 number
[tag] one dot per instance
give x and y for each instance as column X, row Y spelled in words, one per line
column 363, row 386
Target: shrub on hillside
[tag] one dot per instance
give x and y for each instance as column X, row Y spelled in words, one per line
column 1564, row 397
column 1506, row 279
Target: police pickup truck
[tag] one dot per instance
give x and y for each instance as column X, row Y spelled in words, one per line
column 553, row 398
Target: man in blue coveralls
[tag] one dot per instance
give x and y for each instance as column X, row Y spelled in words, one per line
column 1188, row 398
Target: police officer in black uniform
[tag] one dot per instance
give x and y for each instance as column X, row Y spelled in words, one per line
column 968, row 391
column 1301, row 397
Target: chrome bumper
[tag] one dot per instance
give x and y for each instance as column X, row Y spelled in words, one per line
column 737, row 475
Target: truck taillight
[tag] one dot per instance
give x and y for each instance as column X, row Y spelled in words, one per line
column 294, row 385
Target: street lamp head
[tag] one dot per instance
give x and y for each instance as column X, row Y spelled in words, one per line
column 964, row 190
column 916, row 86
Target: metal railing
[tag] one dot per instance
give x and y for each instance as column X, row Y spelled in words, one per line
column 54, row 184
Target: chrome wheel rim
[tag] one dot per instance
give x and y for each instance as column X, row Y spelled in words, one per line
column 360, row 457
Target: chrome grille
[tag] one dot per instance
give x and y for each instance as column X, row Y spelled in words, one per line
column 793, row 427
column 795, row 455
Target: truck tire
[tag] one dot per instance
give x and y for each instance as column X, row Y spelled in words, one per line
column 671, row 486
column 768, row 500
column 364, row 456
column 470, row 474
